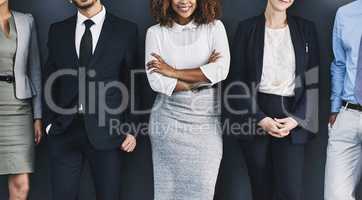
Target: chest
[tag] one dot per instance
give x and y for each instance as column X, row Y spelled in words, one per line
column 185, row 50
column 108, row 54
column 8, row 46
column 279, row 54
column 295, row 52
column 350, row 35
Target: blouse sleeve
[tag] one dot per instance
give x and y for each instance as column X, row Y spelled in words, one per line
column 159, row 83
column 218, row 71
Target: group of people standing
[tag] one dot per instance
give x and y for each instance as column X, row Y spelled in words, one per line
column 187, row 61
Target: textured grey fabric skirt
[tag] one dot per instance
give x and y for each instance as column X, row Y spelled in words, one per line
column 16, row 133
column 186, row 145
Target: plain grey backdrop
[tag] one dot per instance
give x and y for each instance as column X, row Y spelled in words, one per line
column 233, row 180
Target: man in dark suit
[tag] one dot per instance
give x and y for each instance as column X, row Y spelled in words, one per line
column 87, row 99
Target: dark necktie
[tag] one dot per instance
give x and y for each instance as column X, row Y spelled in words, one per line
column 358, row 83
column 86, row 44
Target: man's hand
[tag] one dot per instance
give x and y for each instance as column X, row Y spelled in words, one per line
column 332, row 119
column 129, row 144
column 38, row 131
column 272, row 127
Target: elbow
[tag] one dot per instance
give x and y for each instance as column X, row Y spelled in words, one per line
column 225, row 74
column 155, row 88
column 161, row 84
column 220, row 73
column 225, row 71
column 160, row 89
column 337, row 64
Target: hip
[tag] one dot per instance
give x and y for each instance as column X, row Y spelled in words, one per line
column 275, row 105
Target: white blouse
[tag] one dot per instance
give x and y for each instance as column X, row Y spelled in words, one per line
column 185, row 47
column 278, row 75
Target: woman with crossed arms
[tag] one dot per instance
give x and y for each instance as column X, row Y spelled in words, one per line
column 187, row 53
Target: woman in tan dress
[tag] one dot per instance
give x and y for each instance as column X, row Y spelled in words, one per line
column 20, row 99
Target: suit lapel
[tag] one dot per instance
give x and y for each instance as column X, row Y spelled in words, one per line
column 69, row 39
column 259, row 47
column 300, row 50
column 298, row 44
column 21, row 34
column 104, row 37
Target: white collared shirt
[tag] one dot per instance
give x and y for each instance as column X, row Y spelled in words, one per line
column 186, row 47
column 95, row 29
column 279, row 66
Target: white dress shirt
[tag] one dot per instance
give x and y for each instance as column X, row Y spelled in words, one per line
column 278, row 75
column 185, row 47
column 96, row 30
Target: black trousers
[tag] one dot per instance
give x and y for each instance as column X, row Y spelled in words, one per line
column 275, row 168
column 275, row 165
column 68, row 153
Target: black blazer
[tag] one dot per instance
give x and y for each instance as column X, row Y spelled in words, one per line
column 247, row 65
column 114, row 56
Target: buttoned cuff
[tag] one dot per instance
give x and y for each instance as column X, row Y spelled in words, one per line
column 336, row 105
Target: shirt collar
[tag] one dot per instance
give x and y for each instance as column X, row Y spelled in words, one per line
column 179, row 28
column 97, row 19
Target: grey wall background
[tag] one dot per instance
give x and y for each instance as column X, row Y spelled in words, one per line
column 137, row 177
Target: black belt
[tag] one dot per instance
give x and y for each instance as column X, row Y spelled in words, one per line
column 8, row 79
column 352, row 106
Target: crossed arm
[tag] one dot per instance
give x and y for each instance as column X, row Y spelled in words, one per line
column 187, row 79
column 167, row 79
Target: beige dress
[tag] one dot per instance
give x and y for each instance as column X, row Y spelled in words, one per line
column 16, row 119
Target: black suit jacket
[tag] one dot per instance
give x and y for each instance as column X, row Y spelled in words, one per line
column 114, row 56
column 247, row 66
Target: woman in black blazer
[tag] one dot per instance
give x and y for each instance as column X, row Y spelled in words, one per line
column 276, row 56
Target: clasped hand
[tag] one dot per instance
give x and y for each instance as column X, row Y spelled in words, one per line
column 278, row 128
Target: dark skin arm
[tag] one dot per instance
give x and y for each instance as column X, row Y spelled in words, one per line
column 182, row 86
column 190, row 75
column 186, row 77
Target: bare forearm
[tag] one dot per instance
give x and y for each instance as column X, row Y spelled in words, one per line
column 190, row 75
column 182, row 86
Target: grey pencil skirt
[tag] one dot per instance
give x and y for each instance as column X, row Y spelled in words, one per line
column 186, row 145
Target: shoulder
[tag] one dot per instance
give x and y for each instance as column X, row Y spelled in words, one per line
column 24, row 16
column 303, row 23
column 349, row 8
column 120, row 23
column 62, row 23
column 247, row 26
column 250, row 22
column 154, row 30
column 305, row 27
column 57, row 28
column 216, row 25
